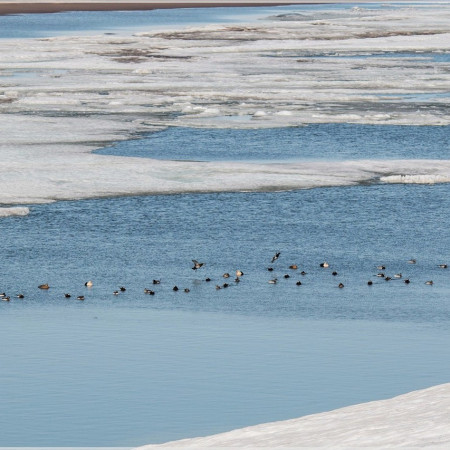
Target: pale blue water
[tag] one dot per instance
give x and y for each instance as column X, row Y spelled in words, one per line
column 43, row 25
column 133, row 369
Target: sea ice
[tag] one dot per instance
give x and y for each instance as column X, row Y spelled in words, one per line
column 81, row 93
column 416, row 419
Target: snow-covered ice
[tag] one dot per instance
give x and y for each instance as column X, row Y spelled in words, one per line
column 62, row 97
column 413, row 420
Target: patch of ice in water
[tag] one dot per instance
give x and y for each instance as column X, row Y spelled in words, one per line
column 14, row 211
column 416, row 179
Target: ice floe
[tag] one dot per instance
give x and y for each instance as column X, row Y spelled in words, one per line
column 364, row 65
column 416, row 419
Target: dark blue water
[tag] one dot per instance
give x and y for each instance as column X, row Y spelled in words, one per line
column 335, row 142
column 134, row 369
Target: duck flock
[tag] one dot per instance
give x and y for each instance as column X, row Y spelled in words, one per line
column 235, row 277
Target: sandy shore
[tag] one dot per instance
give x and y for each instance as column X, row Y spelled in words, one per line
column 30, row 6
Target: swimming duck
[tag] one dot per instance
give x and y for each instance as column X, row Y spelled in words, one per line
column 226, row 275
column 67, row 295
column 340, row 285
column 80, row 297
column 443, row 266
column 156, row 281
column 175, row 288
column 429, row 282
column 298, row 283
column 411, row 261
column 44, row 286
column 369, row 283
column 239, row 273
column 89, row 283
column 122, row 289
column 273, row 281
column 293, row 266
column 187, row 290
column 324, row 265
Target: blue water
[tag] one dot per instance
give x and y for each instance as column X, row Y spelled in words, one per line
column 335, row 142
column 45, row 25
column 134, row 369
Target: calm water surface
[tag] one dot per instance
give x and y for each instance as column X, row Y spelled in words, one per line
column 134, row 369
column 329, row 142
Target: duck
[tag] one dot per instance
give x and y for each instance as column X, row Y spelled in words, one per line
column 80, row 297
column 406, row 281
column 226, row 275
column 187, row 290
column 398, row 275
column 287, row 276
column 149, row 291
column 20, row 296
column 411, row 261
column 381, row 267
column 298, row 283
column 324, row 265
column 293, row 267
column 175, row 288
column 67, row 295
column 208, row 279
column 275, row 257
column 156, row 281
column 369, row 283
column 122, row 289
column 443, row 266
column 239, row 273
column 197, row 264
column 340, row 285
column 334, row 273
column 273, row 281
column 89, row 283
column 44, row 286
column 429, row 282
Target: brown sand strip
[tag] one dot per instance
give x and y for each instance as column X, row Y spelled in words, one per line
column 52, row 7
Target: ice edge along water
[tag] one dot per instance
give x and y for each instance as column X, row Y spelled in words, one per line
column 416, row 419
column 63, row 97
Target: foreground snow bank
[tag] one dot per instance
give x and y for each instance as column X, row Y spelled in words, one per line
column 417, row 419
